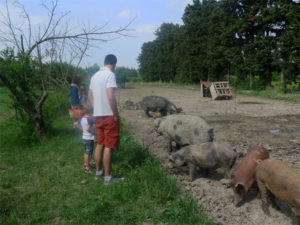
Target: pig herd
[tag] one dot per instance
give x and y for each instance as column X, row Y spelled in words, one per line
column 192, row 145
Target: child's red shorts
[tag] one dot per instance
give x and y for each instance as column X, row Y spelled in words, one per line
column 108, row 131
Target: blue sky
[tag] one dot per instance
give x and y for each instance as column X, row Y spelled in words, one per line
column 150, row 14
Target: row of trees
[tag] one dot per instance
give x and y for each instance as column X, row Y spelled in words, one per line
column 218, row 38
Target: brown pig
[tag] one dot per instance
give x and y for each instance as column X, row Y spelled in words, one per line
column 245, row 173
column 282, row 181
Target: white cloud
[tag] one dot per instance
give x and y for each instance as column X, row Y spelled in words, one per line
column 125, row 14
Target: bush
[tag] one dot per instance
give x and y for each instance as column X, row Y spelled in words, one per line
column 56, row 104
column 135, row 79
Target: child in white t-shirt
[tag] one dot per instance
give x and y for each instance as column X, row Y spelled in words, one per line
column 86, row 125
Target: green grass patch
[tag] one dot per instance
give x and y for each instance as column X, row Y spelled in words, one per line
column 271, row 94
column 5, row 104
column 45, row 184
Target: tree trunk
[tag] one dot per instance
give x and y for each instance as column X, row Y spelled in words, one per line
column 283, row 84
column 251, row 81
column 228, row 75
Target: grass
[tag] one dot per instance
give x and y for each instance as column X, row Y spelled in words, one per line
column 5, row 108
column 167, row 85
column 271, row 94
column 44, row 183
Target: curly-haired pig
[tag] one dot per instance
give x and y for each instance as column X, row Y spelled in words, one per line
column 158, row 104
column 282, row 181
column 206, row 156
column 184, row 129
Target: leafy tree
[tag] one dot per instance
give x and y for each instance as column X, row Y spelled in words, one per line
column 123, row 74
column 249, row 38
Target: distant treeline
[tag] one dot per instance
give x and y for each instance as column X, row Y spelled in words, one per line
column 249, row 39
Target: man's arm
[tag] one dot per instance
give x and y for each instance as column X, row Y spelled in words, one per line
column 91, row 99
column 112, row 101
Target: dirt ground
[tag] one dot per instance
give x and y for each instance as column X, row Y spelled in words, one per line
column 243, row 121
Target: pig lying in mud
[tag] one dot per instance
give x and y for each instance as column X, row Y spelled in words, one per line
column 206, row 156
column 158, row 104
column 282, row 181
column 184, row 130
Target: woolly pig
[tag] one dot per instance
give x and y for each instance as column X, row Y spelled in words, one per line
column 158, row 104
column 206, row 156
column 184, row 129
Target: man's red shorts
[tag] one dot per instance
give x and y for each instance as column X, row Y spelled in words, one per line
column 108, row 131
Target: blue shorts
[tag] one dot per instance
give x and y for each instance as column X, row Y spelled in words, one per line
column 88, row 146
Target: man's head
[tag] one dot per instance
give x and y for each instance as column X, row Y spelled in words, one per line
column 110, row 61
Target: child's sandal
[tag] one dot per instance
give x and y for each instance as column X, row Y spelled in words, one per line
column 88, row 169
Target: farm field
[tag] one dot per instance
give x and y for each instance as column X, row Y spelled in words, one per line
column 243, row 121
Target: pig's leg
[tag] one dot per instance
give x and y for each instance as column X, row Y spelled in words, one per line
column 170, row 145
column 227, row 173
column 296, row 220
column 264, row 196
column 273, row 201
column 147, row 112
column 296, row 216
column 192, row 169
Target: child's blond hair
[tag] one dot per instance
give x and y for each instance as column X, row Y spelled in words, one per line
column 87, row 109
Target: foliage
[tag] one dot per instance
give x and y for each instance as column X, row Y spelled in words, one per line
column 123, row 74
column 60, row 74
column 249, row 39
column 88, row 72
column 271, row 94
column 49, row 186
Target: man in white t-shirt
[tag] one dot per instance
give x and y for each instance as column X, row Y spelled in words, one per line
column 102, row 98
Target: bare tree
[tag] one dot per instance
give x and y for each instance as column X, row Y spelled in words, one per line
column 47, row 42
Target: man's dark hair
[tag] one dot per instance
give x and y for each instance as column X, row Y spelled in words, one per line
column 110, row 59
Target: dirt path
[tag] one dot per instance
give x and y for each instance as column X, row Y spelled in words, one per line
column 244, row 121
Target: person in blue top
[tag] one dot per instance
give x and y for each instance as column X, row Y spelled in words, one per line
column 74, row 92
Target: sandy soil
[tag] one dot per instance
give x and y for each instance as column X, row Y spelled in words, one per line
column 243, row 121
